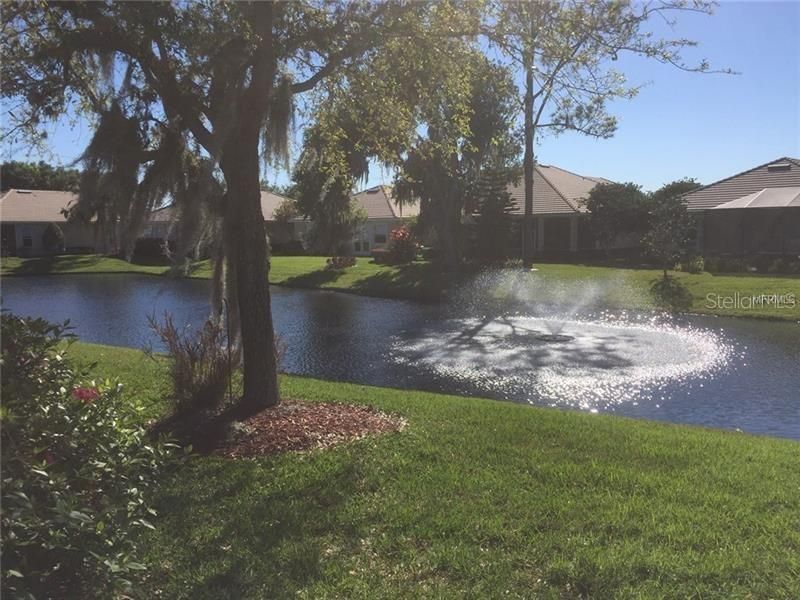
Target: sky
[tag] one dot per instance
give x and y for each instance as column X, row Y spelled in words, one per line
column 703, row 126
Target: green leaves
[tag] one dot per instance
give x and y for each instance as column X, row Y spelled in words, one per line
column 70, row 453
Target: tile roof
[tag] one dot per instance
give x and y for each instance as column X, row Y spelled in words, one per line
column 379, row 204
column 555, row 191
column 35, row 206
column 777, row 197
column 786, row 174
column 269, row 202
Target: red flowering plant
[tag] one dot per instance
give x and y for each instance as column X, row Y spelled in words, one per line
column 402, row 246
column 78, row 470
column 87, row 395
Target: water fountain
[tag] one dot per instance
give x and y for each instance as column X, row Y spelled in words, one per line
column 559, row 345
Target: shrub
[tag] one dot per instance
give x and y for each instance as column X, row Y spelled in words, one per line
column 380, row 256
column 290, row 248
column 152, row 250
column 77, row 471
column 695, row 265
column 337, row 263
column 53, row 238
column 402, row 247
column 762, row 263
column 200, row 362
column 778, row 266
column 670, row 294
column 286, row 211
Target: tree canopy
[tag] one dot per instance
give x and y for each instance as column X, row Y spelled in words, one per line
column 38, row 176
column 616, row 210
column 566, row 51
column 193, row 100
column 212, row 80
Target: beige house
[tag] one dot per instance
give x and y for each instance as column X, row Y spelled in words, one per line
column 25, row 214
column 753, row 212
column 159, row 223
column 384, row 214
column 559, row 214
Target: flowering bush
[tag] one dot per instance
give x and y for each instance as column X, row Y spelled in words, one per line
column 77, row 470
column 402, row 247
column 337, row 263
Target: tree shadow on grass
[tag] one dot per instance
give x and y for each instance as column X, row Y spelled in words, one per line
column 43, row 265
column 262, row 529
column 419, row 281
column 314, row 279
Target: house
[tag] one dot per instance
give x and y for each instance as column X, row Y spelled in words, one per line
column 384, row 214
column 25, row 215
column 279, row 232
column 560, row 218
column 159, row 225
column 753, row 212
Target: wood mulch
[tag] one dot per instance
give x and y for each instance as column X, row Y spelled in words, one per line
column 294, row 425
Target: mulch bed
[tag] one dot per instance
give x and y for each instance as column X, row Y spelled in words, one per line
column 294, row 425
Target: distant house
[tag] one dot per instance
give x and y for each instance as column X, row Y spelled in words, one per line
column 754, row 212
column 279, row 232
column 159, row 225
column 25, row 214
column 384, row 214
column 560, row 217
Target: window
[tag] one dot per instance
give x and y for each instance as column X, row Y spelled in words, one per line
column 27, row 237
column 380, row 234
column 357, row 245
column 366, row 247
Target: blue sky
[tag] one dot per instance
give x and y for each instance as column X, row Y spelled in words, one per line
column 706, row 126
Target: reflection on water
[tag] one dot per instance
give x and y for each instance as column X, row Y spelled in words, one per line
column 589, row 365
column 729, row 373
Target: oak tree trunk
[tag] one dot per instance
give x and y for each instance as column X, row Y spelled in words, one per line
column 250, row 257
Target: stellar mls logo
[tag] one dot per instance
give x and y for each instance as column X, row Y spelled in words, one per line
column 746, row 302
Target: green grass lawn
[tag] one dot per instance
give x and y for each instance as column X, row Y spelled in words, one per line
column 613, row 287
column 475, row 499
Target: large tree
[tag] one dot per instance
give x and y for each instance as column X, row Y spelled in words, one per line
column 468, row 129
column 220, row 77
column 429, row 109
column 617, row 209
column 38, row 176
column 564, row 51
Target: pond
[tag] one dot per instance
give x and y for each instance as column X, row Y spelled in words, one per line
column 716, row 372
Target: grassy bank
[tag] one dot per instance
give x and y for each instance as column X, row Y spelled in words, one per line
column 476, row 499
column 612, row 287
